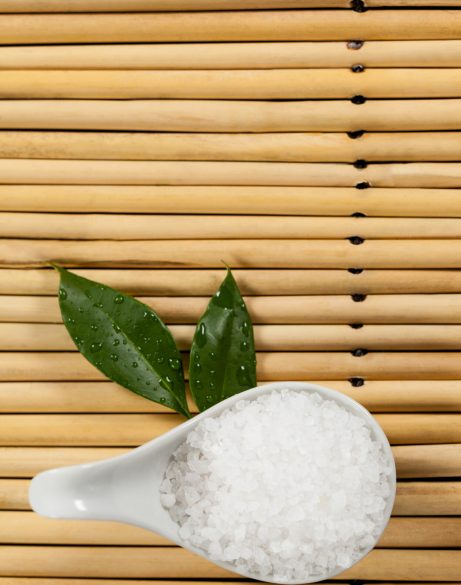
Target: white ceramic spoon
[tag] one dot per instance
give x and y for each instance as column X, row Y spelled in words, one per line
column 127, row 488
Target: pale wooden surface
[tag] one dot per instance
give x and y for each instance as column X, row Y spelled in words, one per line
column 203, row 167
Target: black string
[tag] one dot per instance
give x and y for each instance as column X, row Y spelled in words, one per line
column 359, row 352
column 358, row 297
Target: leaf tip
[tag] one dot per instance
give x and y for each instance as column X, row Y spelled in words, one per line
column 56, row 267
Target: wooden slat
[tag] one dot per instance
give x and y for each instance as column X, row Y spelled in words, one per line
column 372, row 254
column 29, row 528
column 41, row 366
column 84, row 172
column 376, row 395
column 231, row 116
column 119, row 430
column 415, row 461
column 230, row 84
column 280, row 146
column 185, row 227
column 166, row 562
column 325, row 309
column 232, row 200
column 413, row 499
column 253, row 282
column 259, row 55
column 289, row 25
column 55, row 337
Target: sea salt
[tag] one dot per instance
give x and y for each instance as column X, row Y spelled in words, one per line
column 287, row 486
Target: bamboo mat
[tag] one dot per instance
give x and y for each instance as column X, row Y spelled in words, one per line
column 314, row 146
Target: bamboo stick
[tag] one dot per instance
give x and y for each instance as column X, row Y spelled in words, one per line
column 57, row 581
column 431, row 565
column 14, row 494
column 259, row 55
column 292, row 147
column 232, row 200
column 289, row 25
column 54, row 337
column 106, row 397
column 415, row 461
column 427, row 461
column 38, row 6
column 77, row 581
column 254, row 282
column 84, row 172
column 175, row 562
column 413, row 499
column 420, row 429
column 202, row 227
column 319, row 309
column 412, row 254
column 230, row 116
column 25, row 462
column 120, row 430
column 230, row 84
column 433, row 3
column 29, row 528
column 41, row 366
column 427, row 499
column 16, row 6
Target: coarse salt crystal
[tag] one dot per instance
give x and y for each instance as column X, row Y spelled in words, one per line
column 288, row 485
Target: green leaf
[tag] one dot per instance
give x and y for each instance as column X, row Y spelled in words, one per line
column 124, row 339
column 222, row 358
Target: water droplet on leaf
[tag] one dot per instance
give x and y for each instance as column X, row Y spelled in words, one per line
column 62, row 294
column 162, row 400
column 245, row 328
column 94, row 327
column 95, row 347
column 174, row 364
column 198, row 384
column 160, row 359
column 243, row 376
column 134, row 364
column 244, row 346
column 116, row 342
column 119, row 299
column 200, row 336
column 114, row 357
column 212, row 355
column 209, row 398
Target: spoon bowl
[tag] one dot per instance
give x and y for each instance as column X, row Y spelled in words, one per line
column 127, row 488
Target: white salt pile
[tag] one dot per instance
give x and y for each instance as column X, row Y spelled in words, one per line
column 288, row 486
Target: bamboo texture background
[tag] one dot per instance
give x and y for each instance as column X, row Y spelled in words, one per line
column 314, row 146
